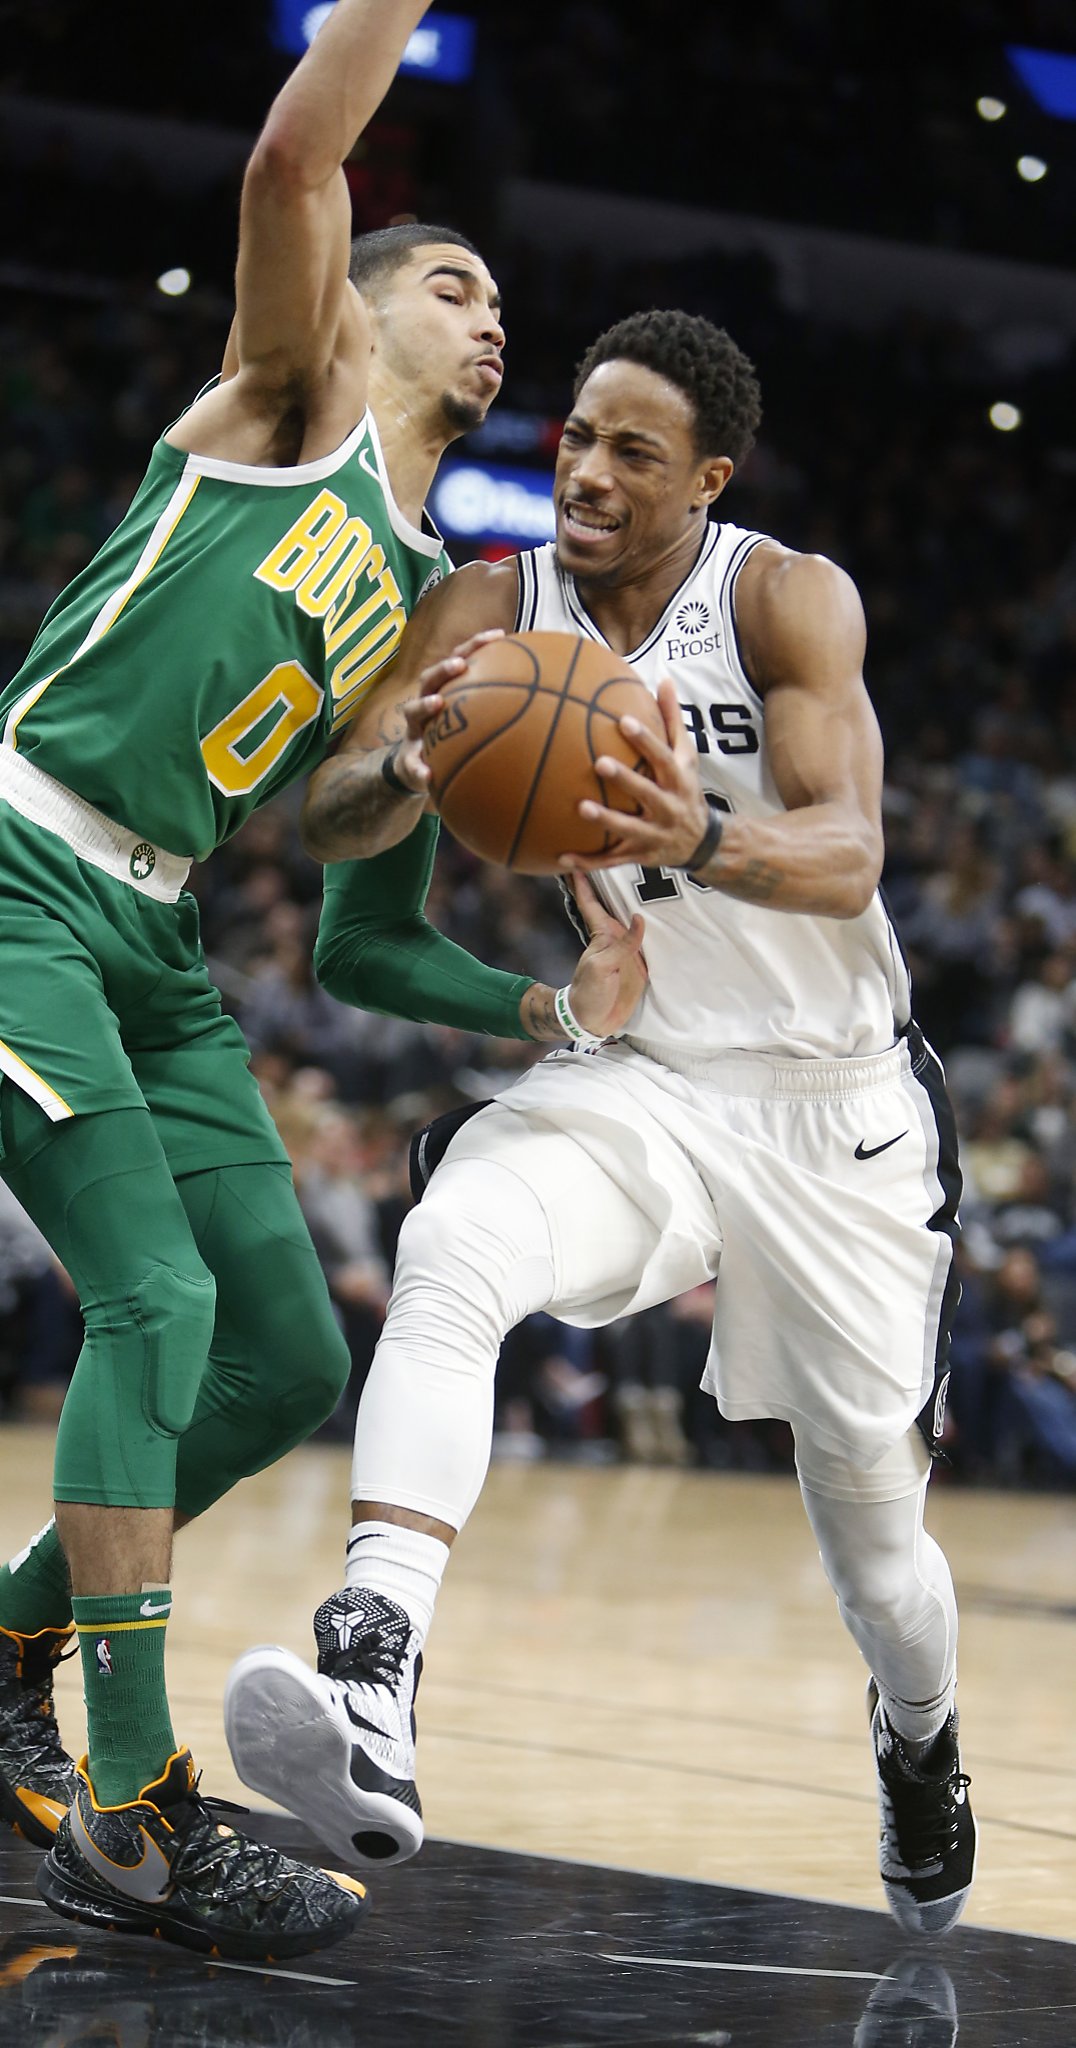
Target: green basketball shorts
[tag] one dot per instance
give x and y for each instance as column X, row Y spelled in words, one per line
column 106, row 1003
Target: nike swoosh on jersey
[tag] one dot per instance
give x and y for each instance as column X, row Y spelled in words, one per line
column 149, row 1880
column 871, row 1151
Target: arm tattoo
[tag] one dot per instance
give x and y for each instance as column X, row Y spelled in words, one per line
column 350, row 806
column 758, row 883
column 538, row 1017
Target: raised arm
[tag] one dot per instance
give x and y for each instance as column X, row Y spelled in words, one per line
column 803, row 637
column 351, row 810
column 297, row 316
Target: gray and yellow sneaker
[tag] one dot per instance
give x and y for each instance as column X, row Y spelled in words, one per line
column 166, row 1864
column 37, row 1777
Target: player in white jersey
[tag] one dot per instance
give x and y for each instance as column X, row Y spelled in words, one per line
column 771, row 1115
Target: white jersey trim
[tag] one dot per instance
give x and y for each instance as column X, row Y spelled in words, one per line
column 586, row 624
column 274, row 477
column 429, row 544
column 727, row 608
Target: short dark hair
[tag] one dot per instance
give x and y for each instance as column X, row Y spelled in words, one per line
column 375, row 256
column 702, row 360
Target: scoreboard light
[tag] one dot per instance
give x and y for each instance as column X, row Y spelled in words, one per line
column 490, row 501
column 441, row 47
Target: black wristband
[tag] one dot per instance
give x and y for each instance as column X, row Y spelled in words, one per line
column 708, row 844
column 388, row 770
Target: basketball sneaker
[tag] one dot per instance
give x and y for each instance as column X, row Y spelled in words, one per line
column 912, row 2006
column 336, row 1746
column 166, row 1864
column 37, row 1777
column 927, row 1843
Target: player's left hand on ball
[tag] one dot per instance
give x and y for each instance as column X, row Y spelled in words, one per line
column 410, row 763
column 671, row 808
column 609, row 981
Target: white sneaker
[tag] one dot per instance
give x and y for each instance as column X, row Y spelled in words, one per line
column 336, row 1747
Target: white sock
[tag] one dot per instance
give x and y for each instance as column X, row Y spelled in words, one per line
column 403, row 1564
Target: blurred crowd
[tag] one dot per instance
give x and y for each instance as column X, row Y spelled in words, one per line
column 877, row 450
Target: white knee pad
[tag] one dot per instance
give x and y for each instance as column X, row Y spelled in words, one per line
column 478, row 1241
column 474, row 1258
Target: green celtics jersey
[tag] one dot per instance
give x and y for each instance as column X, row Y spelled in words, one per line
column 233, row 622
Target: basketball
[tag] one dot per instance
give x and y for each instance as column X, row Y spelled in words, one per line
column 513, row 751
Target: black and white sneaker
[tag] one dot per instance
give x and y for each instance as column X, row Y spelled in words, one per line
column 927, row 1843
column 912, row 2006
column 37, row 1777
column 336, row 1747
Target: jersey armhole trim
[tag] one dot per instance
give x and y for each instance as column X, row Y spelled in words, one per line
column 527, row 592
column 270, row 477
column 727, row 606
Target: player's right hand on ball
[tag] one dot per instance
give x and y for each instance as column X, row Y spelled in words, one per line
column 608, row 983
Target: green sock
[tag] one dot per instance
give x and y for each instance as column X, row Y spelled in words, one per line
column 34, row 1589
column 130, row 1739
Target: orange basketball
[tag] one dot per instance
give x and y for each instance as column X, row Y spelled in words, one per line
column 513, row 752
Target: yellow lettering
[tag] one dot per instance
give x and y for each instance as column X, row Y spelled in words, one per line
column 342, row 624
column 300, row 701
column 364, row 662
column 338, row 564
column 298, row 551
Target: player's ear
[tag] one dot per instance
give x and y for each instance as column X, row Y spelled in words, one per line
column 710, row 481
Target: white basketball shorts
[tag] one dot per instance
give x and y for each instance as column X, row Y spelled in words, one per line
column 822, row 1195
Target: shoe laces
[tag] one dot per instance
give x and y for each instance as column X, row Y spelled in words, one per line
column 32, row 1706
column 926, row 1810
column 209, row 1846
column 374, row 1653
column 369, row 1660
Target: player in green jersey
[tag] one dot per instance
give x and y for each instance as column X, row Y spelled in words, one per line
column 238, row 617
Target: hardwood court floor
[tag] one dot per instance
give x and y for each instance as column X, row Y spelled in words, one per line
column 646, row 1669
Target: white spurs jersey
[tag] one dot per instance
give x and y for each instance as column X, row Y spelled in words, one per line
column 727, row 975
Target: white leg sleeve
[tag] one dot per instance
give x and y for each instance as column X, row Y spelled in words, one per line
column 474, row 1258
column 892, row 1582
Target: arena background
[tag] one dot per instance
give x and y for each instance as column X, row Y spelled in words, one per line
column 878, row 204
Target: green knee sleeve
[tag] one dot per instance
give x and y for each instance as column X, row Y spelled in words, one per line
column 100, row 1189
column 279, row 1362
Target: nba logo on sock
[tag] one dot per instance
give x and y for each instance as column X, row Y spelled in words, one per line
column 104, row 1657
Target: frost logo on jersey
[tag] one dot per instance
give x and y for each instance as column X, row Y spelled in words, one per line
column 435, row 576
column 143, row 861
column 336, row 572
column 691, row 620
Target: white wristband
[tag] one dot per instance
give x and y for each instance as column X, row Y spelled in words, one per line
column 570, row 1025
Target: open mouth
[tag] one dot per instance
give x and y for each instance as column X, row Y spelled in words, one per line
column 586, row 523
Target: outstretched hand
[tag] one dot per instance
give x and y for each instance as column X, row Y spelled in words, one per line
column 672, row 814
column 608, row 983
column 409, row 761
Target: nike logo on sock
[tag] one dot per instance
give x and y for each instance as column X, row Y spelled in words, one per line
column 871, row 1151
column 367, row 1536
column 149, row 1610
